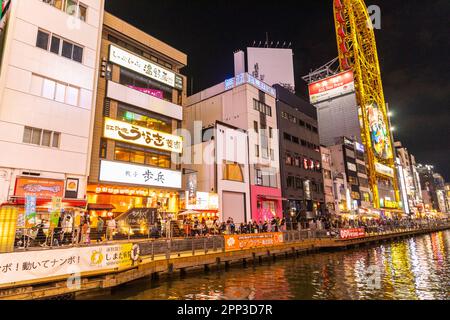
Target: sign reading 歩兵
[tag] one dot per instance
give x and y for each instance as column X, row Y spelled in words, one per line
column 139, row 175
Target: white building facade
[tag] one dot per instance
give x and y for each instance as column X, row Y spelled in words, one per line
column 48, row 79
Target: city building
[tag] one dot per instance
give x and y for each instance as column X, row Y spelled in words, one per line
column 411, row 178
column 300, row 160
column 217, row 176
column 339, row 115
column 249, row 104
column 135, row 145
column 348, row 164
column 49, row 63
column 328, row 181
column 433, row 189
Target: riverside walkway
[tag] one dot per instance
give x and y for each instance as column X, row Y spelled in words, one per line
column 151, row 258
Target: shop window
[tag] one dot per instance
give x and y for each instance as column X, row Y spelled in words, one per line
column 233, row 172
column 142, row 157
column 144, row 119
column 130, row 78
column 258, row 177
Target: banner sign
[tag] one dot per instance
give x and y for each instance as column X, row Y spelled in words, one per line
column 126, row 132
column 352, row 233
column 139, row 175
column 41, row 188
column 30, row 211
column 33, row 265
column 254, row 240
column 384, row 170
column 144, row 67
column 331, row 87
column 55, row 211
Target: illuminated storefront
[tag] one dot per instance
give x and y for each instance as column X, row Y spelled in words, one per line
column 136, row 119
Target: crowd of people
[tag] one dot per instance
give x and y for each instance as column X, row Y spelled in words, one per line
column 82, row 230
column 196, row 227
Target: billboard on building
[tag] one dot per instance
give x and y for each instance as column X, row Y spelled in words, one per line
column 272, row 65
column 332, row 87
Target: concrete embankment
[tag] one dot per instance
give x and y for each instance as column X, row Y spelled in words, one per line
column 150, row 264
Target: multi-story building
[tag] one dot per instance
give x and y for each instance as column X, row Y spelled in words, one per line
column 328, row 184
column 134, row 146
column 411, row 177
column 339, row 115
column 50, row 58
column 249, row 104
column 348, row 164
column 300, row 160
column 218, row 168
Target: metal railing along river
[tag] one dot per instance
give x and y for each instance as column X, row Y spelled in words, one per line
column 152, row 244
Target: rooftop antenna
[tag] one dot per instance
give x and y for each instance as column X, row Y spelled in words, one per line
column 267, row 39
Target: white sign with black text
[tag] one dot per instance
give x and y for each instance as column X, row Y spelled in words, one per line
column 140, row 175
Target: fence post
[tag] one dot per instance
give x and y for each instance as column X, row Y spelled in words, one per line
column 193, row 247
column 204, row 245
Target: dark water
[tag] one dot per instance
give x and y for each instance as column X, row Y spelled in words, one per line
column 415, row 268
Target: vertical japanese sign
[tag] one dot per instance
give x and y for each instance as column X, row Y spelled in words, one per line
column 30, row 211
column 8, row 224
column 56, row 211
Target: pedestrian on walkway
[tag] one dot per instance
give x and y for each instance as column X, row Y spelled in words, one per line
column 110, row 229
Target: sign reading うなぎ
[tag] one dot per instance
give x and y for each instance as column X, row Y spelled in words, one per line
column 126, row 132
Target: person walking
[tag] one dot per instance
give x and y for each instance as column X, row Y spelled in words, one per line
column 100, row 225
column 110, row 229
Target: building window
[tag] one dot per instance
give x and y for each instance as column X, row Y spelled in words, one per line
column 258, row 176
column 262, row 107
column 289, row 160
column 257, row 150
column 71, row 7
column 233, row 172
column 295, row 140
column 284, row 115
column 301, row 122
column 270, row 132
column 255, row 126
column 41, row 137
column 42, row 39
column 144, row 118
column 54, row 90
column 141, row 156
column 298, row 183
column 58, row 46
column 287, row 136
column 272, row 155
column 290, row 182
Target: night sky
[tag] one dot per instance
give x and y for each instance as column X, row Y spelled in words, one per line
column 413, row 46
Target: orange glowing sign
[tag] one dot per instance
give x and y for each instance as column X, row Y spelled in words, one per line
column 41, row 188
column 255, row 240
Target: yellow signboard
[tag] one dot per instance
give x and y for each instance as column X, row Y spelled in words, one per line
column 127, row 132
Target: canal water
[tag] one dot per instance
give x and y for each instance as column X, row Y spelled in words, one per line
column 416, row 268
